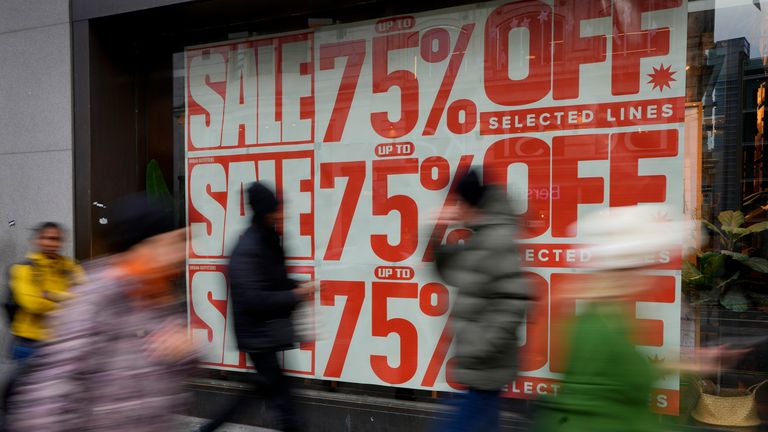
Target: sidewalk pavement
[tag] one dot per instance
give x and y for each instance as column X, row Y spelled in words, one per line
column 189, row 424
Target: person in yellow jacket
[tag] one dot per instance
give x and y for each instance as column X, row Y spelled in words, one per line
column 38, row 284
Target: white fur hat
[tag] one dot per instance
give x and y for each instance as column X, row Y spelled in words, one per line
column 634, row 236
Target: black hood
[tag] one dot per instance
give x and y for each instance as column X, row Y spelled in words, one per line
column 471, row 189
column 262, row 201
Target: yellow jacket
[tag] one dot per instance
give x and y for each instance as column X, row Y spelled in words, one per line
column 38, row 285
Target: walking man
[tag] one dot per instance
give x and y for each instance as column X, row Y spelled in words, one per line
column 37, row 285
column 263, row 299
column 490, row 304
column 119, row 351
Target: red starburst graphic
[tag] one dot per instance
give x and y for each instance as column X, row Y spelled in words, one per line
column 661, row 77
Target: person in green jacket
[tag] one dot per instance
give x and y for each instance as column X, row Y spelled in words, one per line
column 608, row 382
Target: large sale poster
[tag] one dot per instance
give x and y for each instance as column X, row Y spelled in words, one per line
column 362, row 129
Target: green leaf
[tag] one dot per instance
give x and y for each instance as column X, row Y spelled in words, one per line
column 730, row 279
column 692, row 275
column 731, row 219
column 712, row 227
column 758, row 227
column 740, row 257
column 737, row 233
column 735, row 300
column 690, row 271
column 712, row 264
column 757, row 264
column 157, row 189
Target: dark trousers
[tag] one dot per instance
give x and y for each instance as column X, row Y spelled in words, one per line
column 475, row 410
column 269, row 383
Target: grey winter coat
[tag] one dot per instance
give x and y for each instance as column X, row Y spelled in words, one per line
column 492, row 296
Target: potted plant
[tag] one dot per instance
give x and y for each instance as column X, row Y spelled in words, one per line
column 725, row 275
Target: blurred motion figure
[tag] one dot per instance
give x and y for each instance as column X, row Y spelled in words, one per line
column 119, row 351
column 490, row 305
column 608, row 382
column 37, row 285
column 263, row 300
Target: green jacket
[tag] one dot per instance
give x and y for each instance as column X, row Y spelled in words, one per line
column 492, row 296
column 607, row 382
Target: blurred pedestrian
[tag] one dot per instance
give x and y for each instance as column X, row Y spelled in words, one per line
column 263, row 299
column 37, row 285
column 119, row 350
column 490, row 305
column 607, row 381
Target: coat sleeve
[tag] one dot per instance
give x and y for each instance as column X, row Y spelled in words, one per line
column 253, row 288
column 78, row 274
column 26, row 293
column 444, row 255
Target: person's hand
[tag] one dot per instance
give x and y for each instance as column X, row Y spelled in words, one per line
column 709, row 360
column 304, row 291
column 57, row 297
column 450, row 215
column 712, row 359
column 169, row 343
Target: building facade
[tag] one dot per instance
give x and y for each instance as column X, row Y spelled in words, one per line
column 361, row 114
column 37, row 116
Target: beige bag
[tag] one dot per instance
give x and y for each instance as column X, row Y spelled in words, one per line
column 732, row 407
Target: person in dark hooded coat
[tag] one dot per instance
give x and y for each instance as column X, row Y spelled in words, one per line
column 490, row 304
column 263, row 299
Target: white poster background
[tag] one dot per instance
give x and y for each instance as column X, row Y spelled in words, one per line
column 248, row 100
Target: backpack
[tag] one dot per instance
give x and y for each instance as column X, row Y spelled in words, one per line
column 9, row 300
